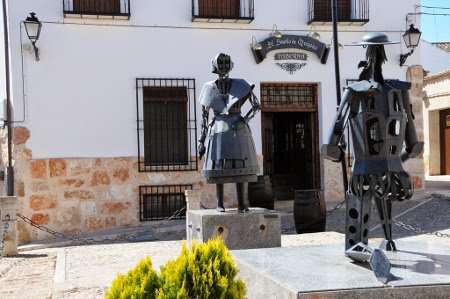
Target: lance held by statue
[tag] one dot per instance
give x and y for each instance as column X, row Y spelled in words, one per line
column 381, row 120
column 226, row 140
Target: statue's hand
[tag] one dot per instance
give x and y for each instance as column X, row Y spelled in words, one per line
column 333, row 152
column 201, row 149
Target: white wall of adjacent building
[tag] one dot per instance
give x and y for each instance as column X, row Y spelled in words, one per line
column 79, row 100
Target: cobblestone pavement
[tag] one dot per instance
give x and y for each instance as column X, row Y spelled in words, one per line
column 87, row 271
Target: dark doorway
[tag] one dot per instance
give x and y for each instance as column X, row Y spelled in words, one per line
column 290, row 139
column 445, row 141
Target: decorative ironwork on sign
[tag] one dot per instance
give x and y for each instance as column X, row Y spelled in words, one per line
column 291, row 42
column 291, row 67
column 291, row 56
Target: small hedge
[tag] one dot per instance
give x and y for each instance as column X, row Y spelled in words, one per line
column 206, row 271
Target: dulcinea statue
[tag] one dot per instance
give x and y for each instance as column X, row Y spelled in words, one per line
column 381, row 120
column 226, row 140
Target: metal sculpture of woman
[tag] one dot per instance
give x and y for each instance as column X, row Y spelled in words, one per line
column 230, row 155
column 381, row 120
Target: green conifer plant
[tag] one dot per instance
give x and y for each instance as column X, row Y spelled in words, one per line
column 205, row 271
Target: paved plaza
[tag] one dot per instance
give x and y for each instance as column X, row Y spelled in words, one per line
column 58, row 268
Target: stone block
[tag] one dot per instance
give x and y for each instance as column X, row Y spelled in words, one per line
column 260, row 228
column 38, row 169
column 58, row 167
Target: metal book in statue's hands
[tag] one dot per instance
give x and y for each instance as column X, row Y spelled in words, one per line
column 226, row 141
column 380, row 117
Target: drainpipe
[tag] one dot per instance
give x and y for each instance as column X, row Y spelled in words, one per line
column 8, row 122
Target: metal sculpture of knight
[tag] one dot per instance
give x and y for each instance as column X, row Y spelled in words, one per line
column 226, row 141
column 381, row 120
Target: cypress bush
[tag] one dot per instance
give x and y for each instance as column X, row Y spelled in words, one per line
column 205, row 271
column 140, row 282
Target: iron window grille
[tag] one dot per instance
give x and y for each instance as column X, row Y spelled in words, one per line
column 162, row 201
column 100, row 9
column 166, row 124
column 349, row 12
column 294, row 95
column 223, row 11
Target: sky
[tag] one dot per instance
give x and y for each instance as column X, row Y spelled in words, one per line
column 435, row 28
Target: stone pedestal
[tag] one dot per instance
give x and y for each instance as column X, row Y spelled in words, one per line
column 193, row 199
column 8, row 207
column 260, row 228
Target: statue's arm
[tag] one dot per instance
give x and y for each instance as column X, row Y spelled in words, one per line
column 333, row 149
column 203, row 131
column 255, row 106
column 413, row 147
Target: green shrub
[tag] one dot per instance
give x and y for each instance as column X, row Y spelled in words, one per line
column 206, row 271
column 140, row 282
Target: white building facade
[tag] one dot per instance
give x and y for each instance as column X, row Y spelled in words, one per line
column 105, row 124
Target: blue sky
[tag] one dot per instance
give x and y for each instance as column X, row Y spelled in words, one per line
column 435, row 28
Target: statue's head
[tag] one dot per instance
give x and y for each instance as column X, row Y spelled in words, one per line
column 374, row 39
column 375, row 55
column 222, row 64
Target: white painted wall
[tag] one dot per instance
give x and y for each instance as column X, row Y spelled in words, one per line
column 79, row 99
column 434, row 59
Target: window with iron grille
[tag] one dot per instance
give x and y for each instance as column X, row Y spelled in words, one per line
column 163, row 201
column 236, row 11
column 83, row 8
column 167, row 124
column 296, row 95
column 348, row 11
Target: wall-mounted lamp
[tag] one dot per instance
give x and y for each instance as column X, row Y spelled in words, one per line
column 411, row 38
column 330, row 44
column 314, row 35
column 255, row 45
column 275, row 32
column 33, row 27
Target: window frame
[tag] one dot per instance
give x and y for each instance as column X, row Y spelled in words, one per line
column 174, row 161
column 159, row 195
column 99, row 9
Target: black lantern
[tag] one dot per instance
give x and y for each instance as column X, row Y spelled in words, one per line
column 33, row 28
column 411, row 38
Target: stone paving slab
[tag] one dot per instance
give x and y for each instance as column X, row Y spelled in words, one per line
column 316, row 270
column 87, row 271
column 28, row 275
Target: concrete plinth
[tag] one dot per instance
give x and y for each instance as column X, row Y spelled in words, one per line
column 260, row 228
column 8, row 208
column 420, row 269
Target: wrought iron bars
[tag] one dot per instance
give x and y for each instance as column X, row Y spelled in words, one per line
column 118, row 9
column 349, row 11
column 226, row 11
column 162, row 201
column 166, row 124
column 289, row 94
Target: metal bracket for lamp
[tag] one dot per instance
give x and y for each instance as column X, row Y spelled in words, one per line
column 403, row 57
column 36, row 51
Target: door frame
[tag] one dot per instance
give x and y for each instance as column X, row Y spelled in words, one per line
column 308, row 107
column 442, row 127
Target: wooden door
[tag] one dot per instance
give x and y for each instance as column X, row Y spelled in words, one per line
column 97, row 6
column 445, row 141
